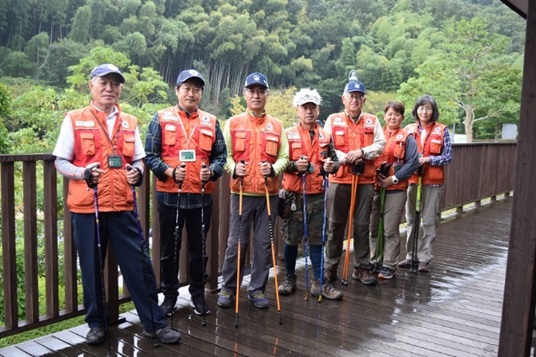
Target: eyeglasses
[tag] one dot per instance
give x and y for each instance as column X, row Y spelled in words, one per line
column 355, row 96
column 259, row 91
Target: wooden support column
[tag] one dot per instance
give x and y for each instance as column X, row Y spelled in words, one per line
column 519, row 296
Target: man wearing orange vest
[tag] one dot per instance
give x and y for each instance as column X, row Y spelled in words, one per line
column 400, row 160
column 435, row 152
column 358, row 138
column 257, row 153
column 99, row 147
column 185, row 149
column 311, row 156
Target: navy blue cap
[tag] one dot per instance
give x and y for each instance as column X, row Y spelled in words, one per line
column 189, row 74
column 105, row 69
column 355, row 86
column 256, row 79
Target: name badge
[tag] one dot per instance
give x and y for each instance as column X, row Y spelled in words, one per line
column 115, row 161
column 187, row 155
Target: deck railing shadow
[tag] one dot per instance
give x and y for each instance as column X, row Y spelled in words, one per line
column 39, row 261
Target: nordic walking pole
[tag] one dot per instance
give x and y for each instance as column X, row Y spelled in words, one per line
column 305, row 237
column 237, row 303
column 416, row 223
column 380, row 242
column 203, row 319
column 142, row 256
column 177, row 231
column 101, row 264
column 382, row 172
column 356, row 171
column 273, row 248
column 324, row 221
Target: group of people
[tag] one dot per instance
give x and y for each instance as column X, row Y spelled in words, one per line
column 365, row 174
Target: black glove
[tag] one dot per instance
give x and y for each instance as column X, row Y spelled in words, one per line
column 140, row 178
column 87, row 175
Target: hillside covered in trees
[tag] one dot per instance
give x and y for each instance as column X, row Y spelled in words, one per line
column 467, row 53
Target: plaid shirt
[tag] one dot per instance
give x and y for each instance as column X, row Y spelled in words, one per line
column 153, row 147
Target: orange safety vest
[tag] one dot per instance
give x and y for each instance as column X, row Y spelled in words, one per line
column 196, row 133
column 349, row 136
column 254, row 140
column 394, row 153
column 433, row 146
column 300, row 144
column 93, row 144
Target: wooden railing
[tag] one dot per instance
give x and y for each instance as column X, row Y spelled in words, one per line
column 477, row 171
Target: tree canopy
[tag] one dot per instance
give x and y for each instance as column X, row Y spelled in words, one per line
column 467, row 53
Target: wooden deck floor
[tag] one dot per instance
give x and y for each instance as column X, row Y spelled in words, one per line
column 455, row 310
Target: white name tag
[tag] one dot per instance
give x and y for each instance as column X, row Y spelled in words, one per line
column 85, row 123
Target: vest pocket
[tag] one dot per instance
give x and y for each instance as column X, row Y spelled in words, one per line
column 206, row 140
column 240, row 142
column 88, row 143
column 128, row 146
column 272, row 145
column 170, row 135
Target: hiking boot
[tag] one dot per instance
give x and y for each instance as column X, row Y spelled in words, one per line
column 168, row 305
column 165, row 335
column 405, row 264
column 259, row 300
column 386, row 273
column 289, row 285
column 225, row 299
column 200, row 306
column 363, row 275
column 374, row 267
column 96, row 336
column 330, row 276
column 328, row 291
column 424, row 267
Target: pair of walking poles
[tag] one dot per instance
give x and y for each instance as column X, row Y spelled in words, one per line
column 357, row 170
column 101, row 262
column 271, row 229
column 177, row 234
column 306, row 234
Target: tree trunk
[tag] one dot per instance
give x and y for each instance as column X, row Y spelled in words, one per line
column 469, row 119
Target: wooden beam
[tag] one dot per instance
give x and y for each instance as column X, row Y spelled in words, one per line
column 518, row 306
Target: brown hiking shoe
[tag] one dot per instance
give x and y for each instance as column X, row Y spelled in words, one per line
column 363, row 275
column 328, row 291
column 330, row 276
column 288, row 286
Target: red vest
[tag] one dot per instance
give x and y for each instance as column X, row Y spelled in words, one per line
column 255, row 140
column 93, row 144
column 394, row 153
column 300, row 144
column 348, row 136
column 433, row 146
column 196, row 133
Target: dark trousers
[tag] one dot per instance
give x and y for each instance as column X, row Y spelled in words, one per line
column 170, row 247
column 120, row 230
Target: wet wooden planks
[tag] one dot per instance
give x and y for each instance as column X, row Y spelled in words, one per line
column 455, row 310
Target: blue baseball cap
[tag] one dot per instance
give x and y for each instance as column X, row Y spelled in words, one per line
column 190, row 74
column 355, row 86
column 256, row 79
column 105, row 69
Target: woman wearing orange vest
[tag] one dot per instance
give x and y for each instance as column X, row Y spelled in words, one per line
column 257, row 150
column 311, row 153
column 435, row 151
column 401, row 158
column 358, row 137
column 102, row 135
column 185, row 146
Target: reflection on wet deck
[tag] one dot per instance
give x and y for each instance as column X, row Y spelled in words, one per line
column 455, row 310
